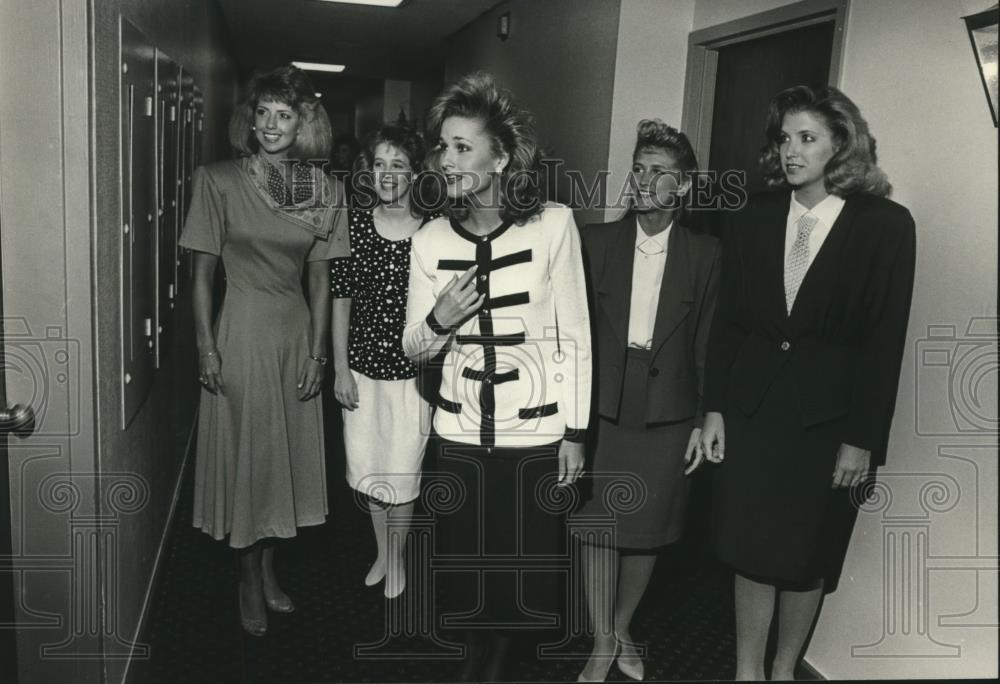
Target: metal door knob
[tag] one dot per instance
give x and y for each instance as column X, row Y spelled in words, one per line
column 17, row 419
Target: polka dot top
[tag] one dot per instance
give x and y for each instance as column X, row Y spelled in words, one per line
column 375, row 277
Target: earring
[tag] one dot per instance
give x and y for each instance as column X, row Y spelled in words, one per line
column 253, row 128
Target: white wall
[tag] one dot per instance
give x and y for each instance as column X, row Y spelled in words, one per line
column 649, row 78
column 910, row 68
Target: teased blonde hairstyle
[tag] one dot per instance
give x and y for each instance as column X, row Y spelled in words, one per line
column 853, row 167
column 291, row 86
column 510, row 128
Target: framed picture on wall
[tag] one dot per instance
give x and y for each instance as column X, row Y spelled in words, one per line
column 982, row 29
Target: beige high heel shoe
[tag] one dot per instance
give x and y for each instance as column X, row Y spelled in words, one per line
column 633, row 670
column 604, row 675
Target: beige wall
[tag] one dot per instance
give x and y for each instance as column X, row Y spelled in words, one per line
column 153, row 446
column 559, row 62
column 916, row 83
column 910, row 68
column 649, row 78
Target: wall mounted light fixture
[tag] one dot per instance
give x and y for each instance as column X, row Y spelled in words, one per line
column 982, row 28
column 503, row 26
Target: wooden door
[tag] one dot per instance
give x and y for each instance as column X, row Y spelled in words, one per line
column 748, row 75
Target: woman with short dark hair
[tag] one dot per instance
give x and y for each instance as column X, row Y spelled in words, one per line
column 386, row 418
column 267, row 215
column 803, row 366
column 497, row 286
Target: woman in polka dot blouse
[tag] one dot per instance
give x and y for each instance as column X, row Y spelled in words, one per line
column 386, row 420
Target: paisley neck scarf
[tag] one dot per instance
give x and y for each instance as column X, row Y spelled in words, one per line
column 297, row 191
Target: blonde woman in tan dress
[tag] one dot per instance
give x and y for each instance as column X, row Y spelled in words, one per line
column 260, row 470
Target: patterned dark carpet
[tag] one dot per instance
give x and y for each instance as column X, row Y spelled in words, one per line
column 339, row 631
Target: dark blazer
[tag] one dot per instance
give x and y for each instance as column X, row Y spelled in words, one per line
column 683, row 317
column 845, row 336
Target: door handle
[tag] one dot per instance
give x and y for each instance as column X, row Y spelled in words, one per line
column 17, row 419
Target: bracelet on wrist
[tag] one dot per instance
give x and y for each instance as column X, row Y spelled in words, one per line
column 321, row 360
column 210, row 352
column 435, row 325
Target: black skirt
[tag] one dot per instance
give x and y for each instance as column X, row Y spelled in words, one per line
column 775, row 516
column 501, row 559
column 639, row 491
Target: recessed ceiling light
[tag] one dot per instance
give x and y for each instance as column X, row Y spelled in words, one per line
column 375, row 3
column 313, row 66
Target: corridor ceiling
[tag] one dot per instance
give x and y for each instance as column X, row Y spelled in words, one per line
column 400, row 43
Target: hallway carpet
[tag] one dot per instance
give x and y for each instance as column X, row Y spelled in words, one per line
column 194, row 634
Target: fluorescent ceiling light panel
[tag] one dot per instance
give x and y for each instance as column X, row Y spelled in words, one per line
column 375, row 3
column 314, row 66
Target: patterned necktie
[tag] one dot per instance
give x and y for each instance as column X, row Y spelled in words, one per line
column 798, row 258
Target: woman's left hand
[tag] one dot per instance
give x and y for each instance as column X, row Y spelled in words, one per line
column 695, row 454
column 852, row 466
column 570, row 462
column 310, row 379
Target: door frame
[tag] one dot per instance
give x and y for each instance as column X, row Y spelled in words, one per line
column 703, row 56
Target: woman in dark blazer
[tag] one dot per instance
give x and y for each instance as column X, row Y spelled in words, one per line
column 653, row 283
column 803, row 365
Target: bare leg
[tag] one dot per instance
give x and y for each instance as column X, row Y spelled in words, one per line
column 253, row 614
column 754, row 611
column 276, row 599
column 498, row 646
column 475, row 654
column 600, row 576
column 634, row 574
column 377, row 571
column 397, row 527
column 797, row 611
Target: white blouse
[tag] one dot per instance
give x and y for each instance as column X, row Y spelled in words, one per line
column 517, row 373
column 649, row 263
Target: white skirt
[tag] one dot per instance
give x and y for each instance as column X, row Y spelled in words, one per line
column 385, row 438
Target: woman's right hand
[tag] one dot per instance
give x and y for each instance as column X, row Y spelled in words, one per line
column 210, row 371
column 345, row 389
column 458, row 300
column 713, row 437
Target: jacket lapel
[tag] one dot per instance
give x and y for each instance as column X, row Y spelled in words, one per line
column 676, row 291
column 615, row 288
column 772, row 258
